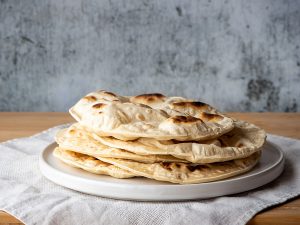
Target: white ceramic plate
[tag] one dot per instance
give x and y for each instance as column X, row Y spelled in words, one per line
column 270, row 167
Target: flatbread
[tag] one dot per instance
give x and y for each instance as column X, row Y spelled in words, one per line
column 244, row 140
column 90, row 164
column 183, row 173
column 149, row 115
column 75, row 138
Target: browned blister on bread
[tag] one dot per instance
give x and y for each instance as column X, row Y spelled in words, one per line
column 148, row 99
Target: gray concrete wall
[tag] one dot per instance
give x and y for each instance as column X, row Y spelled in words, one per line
column 235, row 55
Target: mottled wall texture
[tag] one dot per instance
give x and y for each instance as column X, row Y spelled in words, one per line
column 235, row 55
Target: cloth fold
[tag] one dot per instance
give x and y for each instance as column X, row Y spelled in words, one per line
column 30, row 197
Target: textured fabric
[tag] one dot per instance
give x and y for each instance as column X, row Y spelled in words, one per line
column 26, row 194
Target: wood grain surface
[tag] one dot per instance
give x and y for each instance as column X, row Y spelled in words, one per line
column 14, row 125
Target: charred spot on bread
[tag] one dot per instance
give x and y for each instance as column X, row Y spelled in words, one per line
column 151, row 95
column 99, row 105
column 184, row 119
column 195, row 105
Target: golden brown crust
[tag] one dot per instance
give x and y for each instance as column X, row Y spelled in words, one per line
column 90, row 98
column 148, row 98
column 90, row 164
column 99, row 105
column 194, row 105
column 184, row 119
column 210, row 117
column 72, row 131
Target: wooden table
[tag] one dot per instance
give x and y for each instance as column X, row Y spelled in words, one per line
column 14, row 125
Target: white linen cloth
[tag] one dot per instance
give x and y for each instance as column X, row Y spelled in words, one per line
column 33, row 199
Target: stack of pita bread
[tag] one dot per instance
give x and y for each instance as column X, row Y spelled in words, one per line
column 171, row 139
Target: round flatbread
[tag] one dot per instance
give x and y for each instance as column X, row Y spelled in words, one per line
column 149, row 115
column 183, row 173
column 244, row 140
column 76, row 139
column 90, row 164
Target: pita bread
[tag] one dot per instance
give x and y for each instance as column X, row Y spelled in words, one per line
column 187, row 173
column 244, row 140
column 78, row 140
column 90, row 164
column 149, row 115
